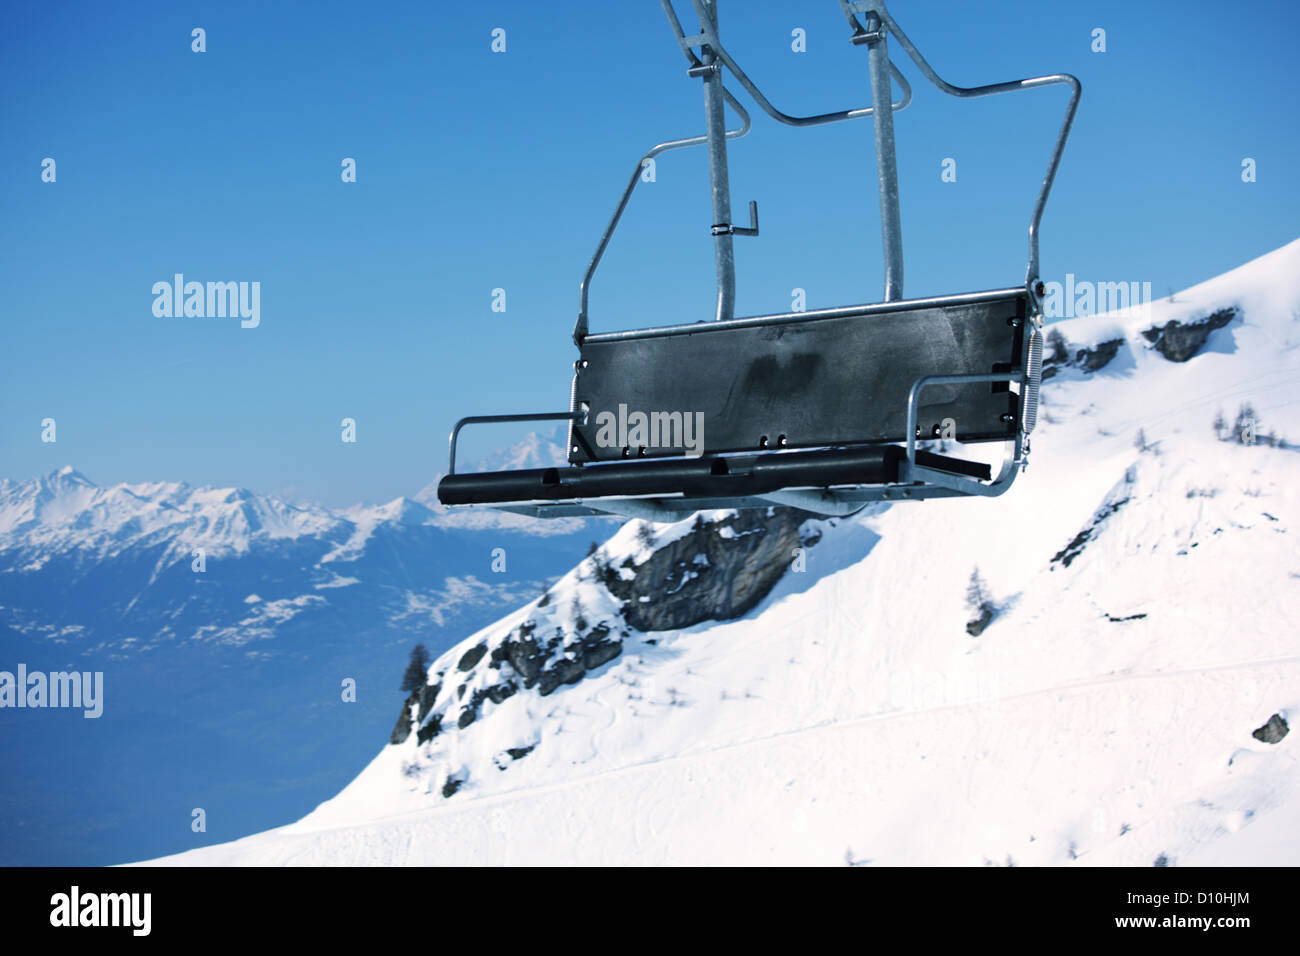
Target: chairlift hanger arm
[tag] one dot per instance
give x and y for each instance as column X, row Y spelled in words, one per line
column 877, row 9
column 709, row 37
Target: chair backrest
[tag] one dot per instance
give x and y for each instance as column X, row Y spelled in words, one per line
column 832, row 377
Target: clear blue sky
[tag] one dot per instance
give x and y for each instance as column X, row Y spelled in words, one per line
column 479, row 170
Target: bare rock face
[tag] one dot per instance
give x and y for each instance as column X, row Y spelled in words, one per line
column 402, row 729
column 975, row 627
column 422, row 700
column 1179, row 341
column 1273, row 731
column 1063, row 355
column 717, row 572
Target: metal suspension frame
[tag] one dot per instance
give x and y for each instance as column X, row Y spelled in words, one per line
column 707, row 59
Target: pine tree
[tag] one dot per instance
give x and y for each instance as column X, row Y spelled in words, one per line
column 1140, row 442
column 578, row 614
column 1244, row 429
column 977, row 593
column 645, row 534
column 1220, row 423
column 417, row 671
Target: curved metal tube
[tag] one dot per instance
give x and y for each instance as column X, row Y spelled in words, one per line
column 1076, row 90
column 496, row 419
column 580, row 328
column 711, row 38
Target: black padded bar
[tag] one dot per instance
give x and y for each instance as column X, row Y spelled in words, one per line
column 835, row 379
column 738, row 476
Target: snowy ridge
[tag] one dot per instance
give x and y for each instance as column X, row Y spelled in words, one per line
column 1146, row 623
column 65, row 511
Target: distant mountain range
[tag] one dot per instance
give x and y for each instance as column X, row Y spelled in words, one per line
column 225, row 622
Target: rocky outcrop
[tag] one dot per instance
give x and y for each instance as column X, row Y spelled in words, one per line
column 402, row 729
column 1273, row 731
column 471, row 657
column 1179, row 341
column 1065, row 557
column 717, row 572
column 1061, row 354
column 976, row 626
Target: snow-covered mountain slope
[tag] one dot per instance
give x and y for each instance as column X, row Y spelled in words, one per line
column 1125, row 704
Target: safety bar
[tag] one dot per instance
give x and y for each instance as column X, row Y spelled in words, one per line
column 914, row 393
column 498, row 419
column 909, row 470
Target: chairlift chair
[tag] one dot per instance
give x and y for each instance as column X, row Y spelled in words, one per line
column 820, row 410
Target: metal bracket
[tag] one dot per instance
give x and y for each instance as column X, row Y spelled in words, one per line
column 726, row 229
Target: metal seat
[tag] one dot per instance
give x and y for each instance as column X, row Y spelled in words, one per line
column 821, row 410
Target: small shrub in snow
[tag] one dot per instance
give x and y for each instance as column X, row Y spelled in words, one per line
column 980, row 603
column 1245, row 428
column 579, row 615
column 1220, row 425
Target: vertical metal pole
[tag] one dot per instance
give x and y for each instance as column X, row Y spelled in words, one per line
column 891, row 224
column 720, row 184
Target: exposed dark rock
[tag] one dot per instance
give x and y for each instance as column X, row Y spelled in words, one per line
column 976, row 627
column 601, row 652
column 562, row 671
column 1179, row 341
column 428, row 694
column 673, row 589
column 402, row 729
column 518, row 753
column 1086, row 360
column 452, row 785
column 1273, row 731
column 525, row 656
column 1163, row 860
column 1075, row 548
column 429, row 730
column 496, row 693
column 1094, row 360
column 423, row 699
column 471, row 657
column 718, row 571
